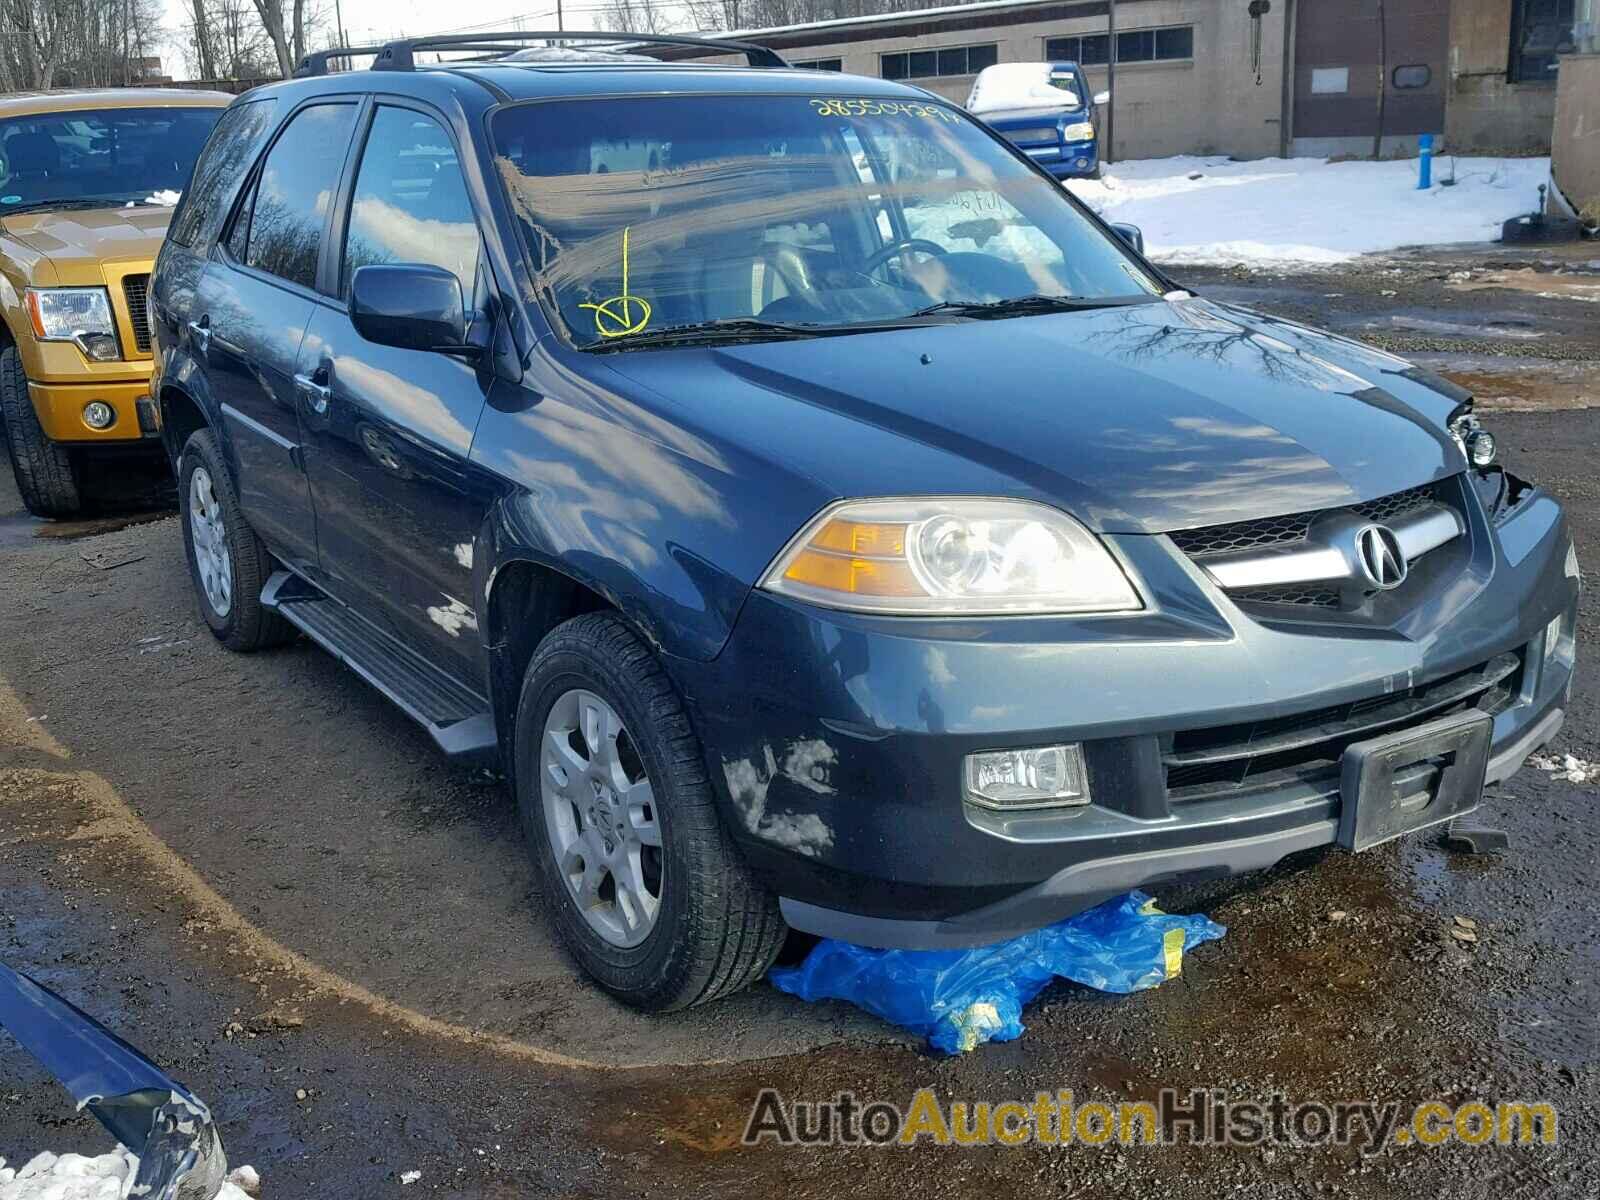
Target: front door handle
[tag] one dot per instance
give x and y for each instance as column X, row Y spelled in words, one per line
column 315, row 388
column 200, row 335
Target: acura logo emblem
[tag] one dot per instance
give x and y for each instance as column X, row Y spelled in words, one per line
column 1382, row 561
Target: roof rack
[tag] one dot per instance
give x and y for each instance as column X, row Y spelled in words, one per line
column 316, row 63
column 401, row 55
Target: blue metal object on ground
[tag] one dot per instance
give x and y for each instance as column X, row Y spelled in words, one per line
column 959, row 999
column 1425, row 162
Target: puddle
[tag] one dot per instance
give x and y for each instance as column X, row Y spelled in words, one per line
column 1482, row 329
column 20, row 528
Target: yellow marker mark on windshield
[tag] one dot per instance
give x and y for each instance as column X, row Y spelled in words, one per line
column 615, row 318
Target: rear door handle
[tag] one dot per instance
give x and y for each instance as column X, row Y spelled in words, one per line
column 200, row 334
column 314, row 388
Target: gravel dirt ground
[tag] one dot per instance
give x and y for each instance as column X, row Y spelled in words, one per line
column 260, row 873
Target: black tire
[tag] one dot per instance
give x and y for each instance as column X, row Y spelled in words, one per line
column 246, row 625
column 718, row 929
column 43, row 469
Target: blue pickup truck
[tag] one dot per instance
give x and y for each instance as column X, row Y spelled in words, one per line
column 1045, row 110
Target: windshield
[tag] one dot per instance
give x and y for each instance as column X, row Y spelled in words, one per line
column 647, row 215
column 99, row 156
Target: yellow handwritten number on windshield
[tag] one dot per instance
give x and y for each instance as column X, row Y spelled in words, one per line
column 624, row 314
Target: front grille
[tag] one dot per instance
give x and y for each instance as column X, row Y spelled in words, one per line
column 133, row 291
column 1205, row 763
column 1045, row 133
column 1287, row 530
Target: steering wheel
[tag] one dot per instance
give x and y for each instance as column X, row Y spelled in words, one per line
column 876, row 259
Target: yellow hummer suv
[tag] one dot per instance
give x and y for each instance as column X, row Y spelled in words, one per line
column 87, row 184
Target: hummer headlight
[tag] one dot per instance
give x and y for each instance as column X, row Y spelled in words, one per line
column 951, row 556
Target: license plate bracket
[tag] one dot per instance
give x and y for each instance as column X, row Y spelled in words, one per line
column 1400, row 782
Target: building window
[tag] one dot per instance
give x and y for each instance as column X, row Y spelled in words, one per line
column 951, row 60
column 1330, row 81
column 820, row 64
column 1414, row 75
column 1170, row 44
column 1540, row 29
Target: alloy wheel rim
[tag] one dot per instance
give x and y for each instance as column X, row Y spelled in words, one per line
column 210, row 537
column 600, row 815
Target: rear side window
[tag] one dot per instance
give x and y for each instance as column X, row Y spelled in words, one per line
column 289, row 210
column 410, row 203
column 234, row 143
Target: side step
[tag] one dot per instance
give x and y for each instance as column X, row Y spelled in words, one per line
column 455, row 716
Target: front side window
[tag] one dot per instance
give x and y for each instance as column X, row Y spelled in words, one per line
column 666, row 213
column 99, row 157
column 289, row 209
column 235, row 142
column 410, row 203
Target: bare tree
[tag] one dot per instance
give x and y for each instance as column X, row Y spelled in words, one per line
column 226, row 40
column 289, row 40
column 634, row 16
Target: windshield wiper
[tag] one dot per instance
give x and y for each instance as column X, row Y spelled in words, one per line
column 732, row 330
column 1021, row 306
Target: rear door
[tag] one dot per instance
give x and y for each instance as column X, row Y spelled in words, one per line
column 388, row 430
column 254, row 303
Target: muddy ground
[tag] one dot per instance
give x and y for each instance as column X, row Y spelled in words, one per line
column 259, row 872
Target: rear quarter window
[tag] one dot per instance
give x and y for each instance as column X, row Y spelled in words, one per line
column 233, row 144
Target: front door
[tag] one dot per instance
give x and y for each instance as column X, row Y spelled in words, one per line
column 255, row 301
column 388, row 431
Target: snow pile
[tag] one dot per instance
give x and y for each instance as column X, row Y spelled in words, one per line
column 1308, row 210
column 1569, row 767
column 49, row 1176
column 166, row 198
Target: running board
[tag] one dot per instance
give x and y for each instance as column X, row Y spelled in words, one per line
column 455, row 716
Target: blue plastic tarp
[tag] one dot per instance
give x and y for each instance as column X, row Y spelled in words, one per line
column 959, row 999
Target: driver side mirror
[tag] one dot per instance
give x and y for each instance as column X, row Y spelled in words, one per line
column 1131, row 234
column 412, row 306
column 1101, row 99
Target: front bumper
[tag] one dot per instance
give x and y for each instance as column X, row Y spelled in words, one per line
column 60, row 408
column 1071, row 160
column 835, row 741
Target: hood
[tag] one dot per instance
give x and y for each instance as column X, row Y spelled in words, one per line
column 1144, row 418
column 90, row 236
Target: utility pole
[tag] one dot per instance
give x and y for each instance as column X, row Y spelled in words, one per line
column 1107, row 151
column 338, row 24
column 560, row 20
column 1383, row 81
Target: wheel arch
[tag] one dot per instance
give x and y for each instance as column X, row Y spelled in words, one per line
column 527, row 597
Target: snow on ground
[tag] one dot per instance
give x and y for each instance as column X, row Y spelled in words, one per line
column 1309, row 210
column 49, row 1176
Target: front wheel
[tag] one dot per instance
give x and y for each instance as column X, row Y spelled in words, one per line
column 643, row 883
column 43, row 469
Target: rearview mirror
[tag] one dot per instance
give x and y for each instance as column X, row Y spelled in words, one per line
column 1101, row 99
column 410, row 305
column 1131, row 234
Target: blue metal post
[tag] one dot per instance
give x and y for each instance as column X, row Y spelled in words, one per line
column 1424, row 162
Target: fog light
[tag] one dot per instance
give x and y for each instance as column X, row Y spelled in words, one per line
column 1480, row 447
column 1044, row 777
column 1572, row 564
column 101, row 347
column 1552, row 638
column 97, row 414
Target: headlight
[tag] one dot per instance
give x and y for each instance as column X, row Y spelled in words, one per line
column 81, row 315
column 968, row 557
column 1081, row 132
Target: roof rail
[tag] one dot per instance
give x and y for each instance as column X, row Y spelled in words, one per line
column 316, row 63
column 401, row 55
